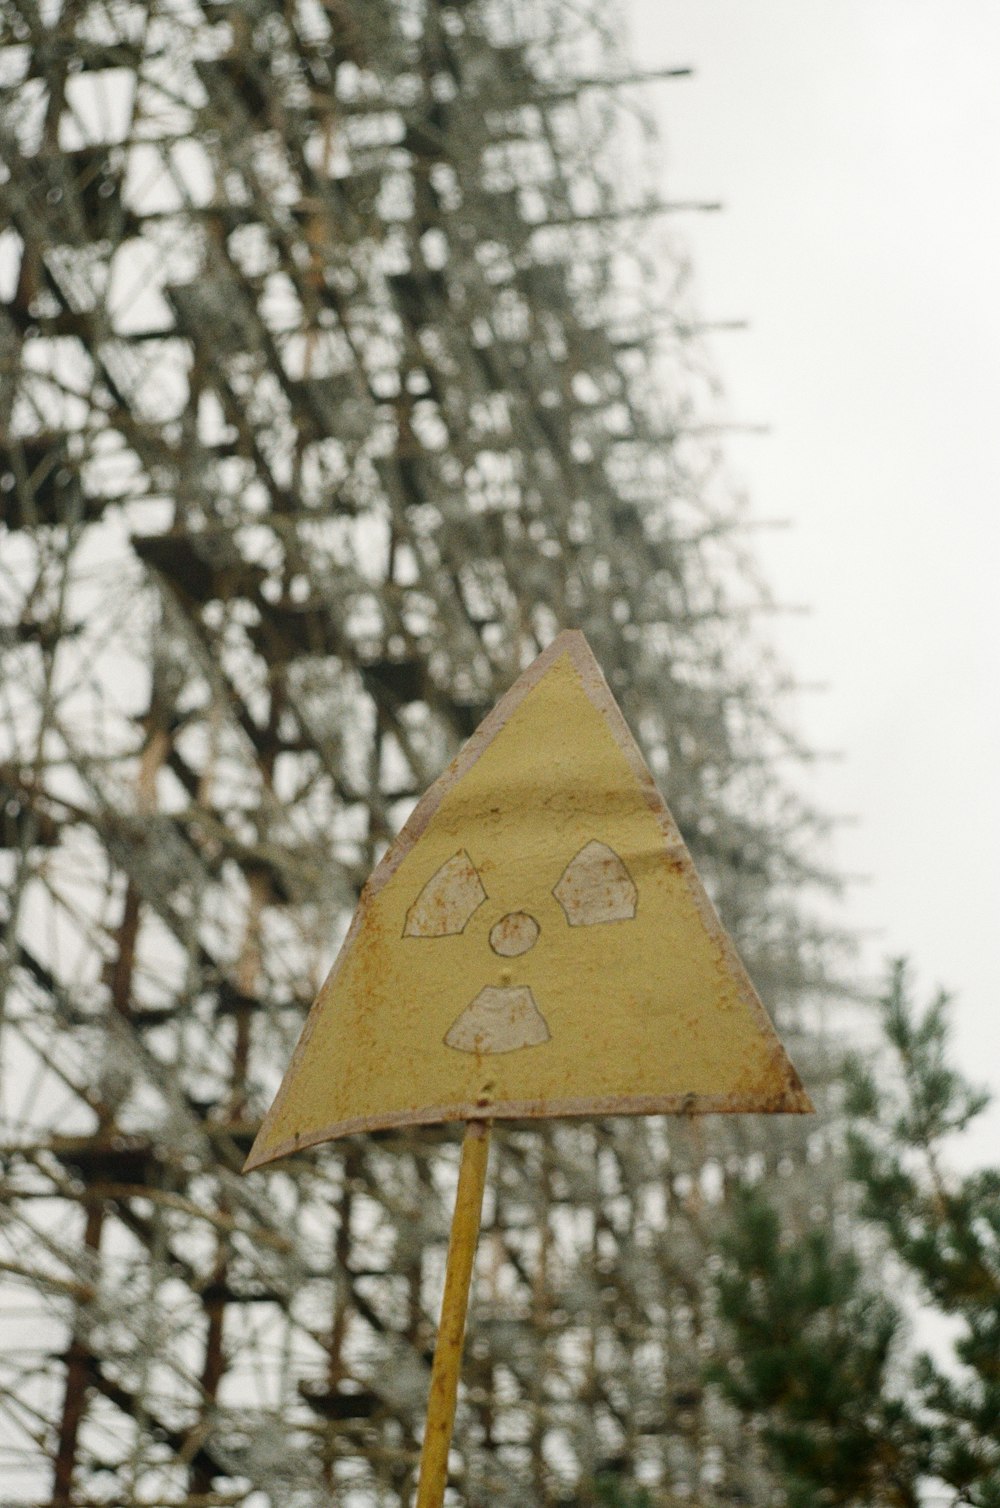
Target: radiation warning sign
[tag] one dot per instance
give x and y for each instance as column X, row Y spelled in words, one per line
column 536, row 942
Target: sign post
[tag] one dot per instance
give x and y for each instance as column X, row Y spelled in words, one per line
column 535, row 943
column 454, row 1307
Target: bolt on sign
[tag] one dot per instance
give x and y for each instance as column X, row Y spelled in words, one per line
column 535, row 943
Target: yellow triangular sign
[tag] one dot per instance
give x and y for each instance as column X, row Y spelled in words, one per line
column 536, row 942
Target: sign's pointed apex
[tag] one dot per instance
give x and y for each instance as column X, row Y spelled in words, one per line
column 536, row 942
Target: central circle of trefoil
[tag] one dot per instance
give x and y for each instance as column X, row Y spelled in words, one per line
column 514, row 934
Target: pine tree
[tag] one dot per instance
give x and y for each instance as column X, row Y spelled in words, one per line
column 818, row 1369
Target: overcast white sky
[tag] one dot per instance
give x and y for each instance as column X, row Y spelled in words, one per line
column 856, row 147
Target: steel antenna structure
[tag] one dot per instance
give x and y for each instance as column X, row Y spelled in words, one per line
column 345, row 359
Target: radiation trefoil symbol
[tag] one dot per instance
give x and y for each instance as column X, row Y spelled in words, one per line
column 594, row 888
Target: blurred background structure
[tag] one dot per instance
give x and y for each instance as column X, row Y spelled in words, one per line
column 345, row 357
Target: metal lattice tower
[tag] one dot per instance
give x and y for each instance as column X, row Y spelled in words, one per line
column 342, row 362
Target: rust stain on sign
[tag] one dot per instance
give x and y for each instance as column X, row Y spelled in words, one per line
column 535, row 943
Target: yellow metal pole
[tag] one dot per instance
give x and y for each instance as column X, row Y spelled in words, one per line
column 454, row 1305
